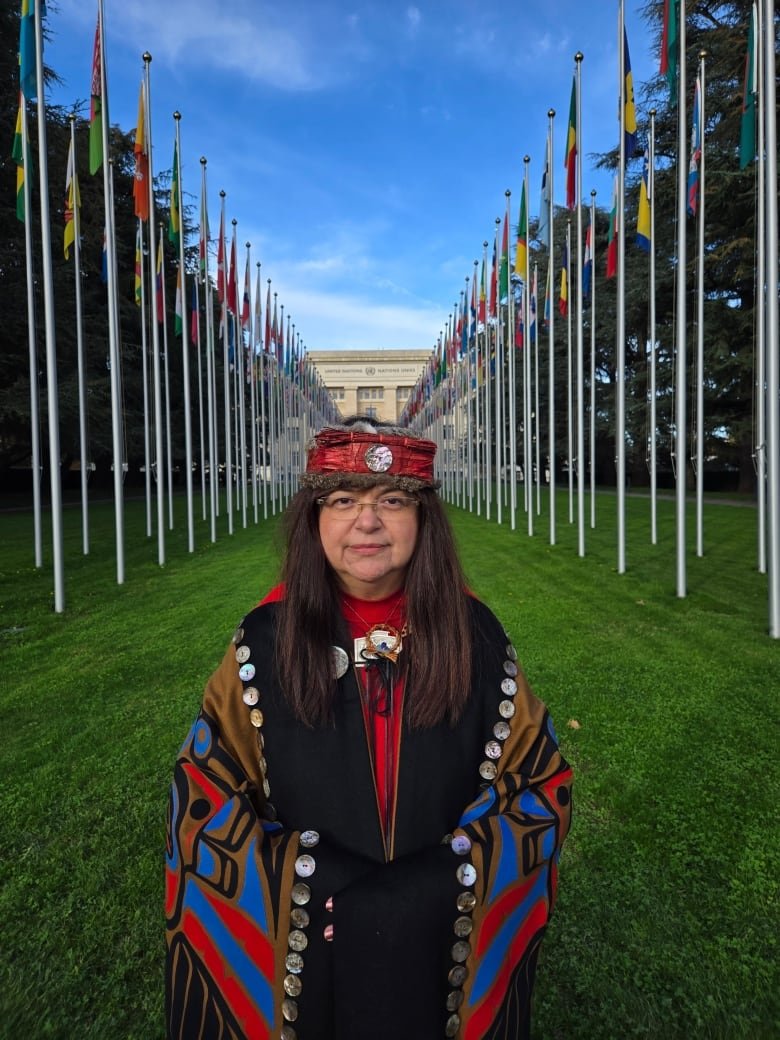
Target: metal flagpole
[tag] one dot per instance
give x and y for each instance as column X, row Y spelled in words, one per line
column 74, row 203
column 145, row 378
column 511, row 377
column 488, row 410
column 201, row 425
column 49, row 326
column 773, row 358
column 263, row 375
column 478, row 440
column 620, row 344
column 185, row 352
column 593, row 358
column 226, row 382
column 527, row 408
column 535, row 417
column 653, row 344
column 681, row 346
column 580, row 396
column 252, row 389
column 157, row 392
column 468, row 395
column 210, row 370
column 569, row 378
column 551, row 327
column 166, row 383
column 760, row 308
column 35, row 432
column 700, row 330
column 499, row 419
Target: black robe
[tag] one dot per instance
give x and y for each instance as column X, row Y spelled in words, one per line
column 268, row 818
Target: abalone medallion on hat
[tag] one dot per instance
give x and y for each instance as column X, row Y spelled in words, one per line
column 378, row 458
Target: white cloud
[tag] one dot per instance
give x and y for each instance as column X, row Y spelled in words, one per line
column 413, row 20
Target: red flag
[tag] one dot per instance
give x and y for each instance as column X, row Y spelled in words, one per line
column 245, row 303
column 159, row 279
column 613, row 234
column 141, row 182
column 570, row 156
column 493, row 284
column 232, row 296
column 221, row 259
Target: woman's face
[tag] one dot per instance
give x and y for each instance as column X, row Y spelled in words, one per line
column 369, row 553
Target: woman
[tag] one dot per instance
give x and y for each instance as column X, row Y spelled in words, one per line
column 366, row 817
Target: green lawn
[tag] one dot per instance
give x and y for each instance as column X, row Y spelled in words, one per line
column 667, row 920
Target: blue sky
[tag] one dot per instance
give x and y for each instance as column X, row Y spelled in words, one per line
column 365, row 148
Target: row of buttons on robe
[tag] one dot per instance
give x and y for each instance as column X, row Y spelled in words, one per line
column 461, row 846
column 251, row 697
column 297, row 940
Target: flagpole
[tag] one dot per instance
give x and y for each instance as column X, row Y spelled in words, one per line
column 72, row 207
column 653, row 349
column 156, row 385
column 185, row 350
column 569, row 379
column 760, row 309
column 773, row 360
column 592, row 437
column 580, row 348
column 700, row 330
column 498, row 383
column 201, row 423
column 620, row 344
column 528, row 420
column 476, row 453
column 166, row 381
column 252, row 391
column 49, row 327
column 511, row 374
column 145, row 378
column 210, row 367
column 113, row 329
column 226, row 379
column 35, row 431
column 537, row 437
column 681, row 325
column 488, row 409
column 551, row 328
column 262, row 432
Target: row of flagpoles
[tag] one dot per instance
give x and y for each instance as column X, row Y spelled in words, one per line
column 271, row 395
column 468, row 392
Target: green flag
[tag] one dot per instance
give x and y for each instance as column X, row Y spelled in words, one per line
column 747, row 136
column 174, row 225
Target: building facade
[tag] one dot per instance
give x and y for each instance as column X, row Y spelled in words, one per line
column 370, row 382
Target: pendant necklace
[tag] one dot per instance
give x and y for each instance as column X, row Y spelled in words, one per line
column 382, row 640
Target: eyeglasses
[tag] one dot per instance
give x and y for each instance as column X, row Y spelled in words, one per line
column 389, row 507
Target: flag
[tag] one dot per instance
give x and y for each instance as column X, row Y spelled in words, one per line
column 570, row 156
column 532, row 312
column 232, row 293
column 159, row 282
column 629, row 109
column 520, row 321
column 493, row 285
column 104, row 260
column 194, row 313
column 643, row 215
column 141, row 150
column 174, row 225
column 203, row 238
column 587, row 263
column 27, row 62
column 548, row 295
column 612, row 234
column 221, row 259
column 246, row 301
column 138, row 268
column 521, row 248
column 473, row 316
column 481, row 313
column 178, row 324
column 268, row 331
column 693, row 165
column 563, row 298
column 747, row 135
column 72, row 200
column 503, row 279
column 17, row 154
column 258, row 313
column 96, row 107
column 543, row 231
column 669, row 44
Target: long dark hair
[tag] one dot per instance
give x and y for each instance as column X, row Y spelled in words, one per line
column 436, row 658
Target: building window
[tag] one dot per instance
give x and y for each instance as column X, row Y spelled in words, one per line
column 402, row 394
column 371, row 412
column 337, row 393
column 371, row 393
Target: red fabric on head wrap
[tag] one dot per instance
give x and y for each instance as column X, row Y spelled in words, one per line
column 381, row 454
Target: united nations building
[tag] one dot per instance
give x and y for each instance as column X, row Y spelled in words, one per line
column 370, row 382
